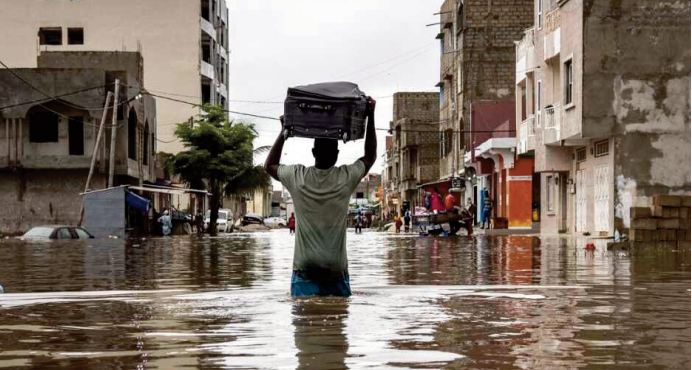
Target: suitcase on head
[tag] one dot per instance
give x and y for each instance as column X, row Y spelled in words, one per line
column 332, row 110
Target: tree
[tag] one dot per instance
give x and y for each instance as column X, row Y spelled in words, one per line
column 218, row 156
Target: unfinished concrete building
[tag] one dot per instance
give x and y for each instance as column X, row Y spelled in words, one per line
column 605, row 90
column 184, row 44
column 476, row 63
column 49, row 118
column 414, row 156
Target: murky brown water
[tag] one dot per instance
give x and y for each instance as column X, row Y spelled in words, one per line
column 504, row 302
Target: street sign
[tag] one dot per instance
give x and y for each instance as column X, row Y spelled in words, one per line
column 457, row 182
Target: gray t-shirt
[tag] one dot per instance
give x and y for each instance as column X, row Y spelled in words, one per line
column 320, row 198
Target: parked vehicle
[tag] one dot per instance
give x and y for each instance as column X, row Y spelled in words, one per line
column 275, row 222
column 224, row 223
column 252, row 218
column 51, row 232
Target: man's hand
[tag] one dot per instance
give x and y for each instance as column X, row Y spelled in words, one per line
column 271, row 164
column 370, row 138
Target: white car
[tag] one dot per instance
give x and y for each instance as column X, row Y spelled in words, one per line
column 275, row 222
column 224, row 224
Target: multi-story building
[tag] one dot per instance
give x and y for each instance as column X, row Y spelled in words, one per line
column 184, row 44
column 476, row 63
column 413, row 155
column 46, row 144
column 604, row 108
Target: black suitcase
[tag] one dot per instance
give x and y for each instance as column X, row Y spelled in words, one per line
column 333, row 110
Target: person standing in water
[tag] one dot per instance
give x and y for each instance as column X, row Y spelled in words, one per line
column 321, row 195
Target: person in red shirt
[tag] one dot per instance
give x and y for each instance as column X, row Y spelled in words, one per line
column 450, row 202
column 436, row 203
column 292, row 223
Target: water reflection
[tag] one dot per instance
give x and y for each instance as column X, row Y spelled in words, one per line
column 320, row 332
column 478, row 302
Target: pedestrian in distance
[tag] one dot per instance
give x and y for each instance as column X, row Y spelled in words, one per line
column 359, row 223
column 292, row 224
column 199, row 223
column 487, row 211
column 166, row 223
column 321, row 195
column 407, row 220
column 436, row 203
column 471, row 208
column 397, row 223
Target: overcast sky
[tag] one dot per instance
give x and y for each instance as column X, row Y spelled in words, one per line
column 382, row 45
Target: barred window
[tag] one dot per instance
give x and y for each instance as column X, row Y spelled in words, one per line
column 581, row 155
column 600, row 148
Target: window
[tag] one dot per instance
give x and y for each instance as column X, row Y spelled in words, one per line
column 538, row 96
column 581, row 155
column 360, row 195
column 50, row 36
column 206, row 93
column 81, row 233
column 75, row 36
column 132, row 135
column 568, row 82
column 145, row 145
column 75, row 134
column 63, row 233
column 43, row 126
column 442, row 94
column 550, row 193
column 540, row 14
column 600, row 148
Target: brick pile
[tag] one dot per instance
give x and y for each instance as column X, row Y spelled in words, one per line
column 665, row 224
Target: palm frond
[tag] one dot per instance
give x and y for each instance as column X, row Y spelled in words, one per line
column 261, row 149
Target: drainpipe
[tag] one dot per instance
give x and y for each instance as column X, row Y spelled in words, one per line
column 114, row 122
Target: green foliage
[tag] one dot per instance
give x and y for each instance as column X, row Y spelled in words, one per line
column 218, row 156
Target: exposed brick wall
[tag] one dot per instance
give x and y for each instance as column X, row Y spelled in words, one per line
column 488, row 56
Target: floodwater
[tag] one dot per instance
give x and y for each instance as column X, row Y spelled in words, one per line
column 466, row 302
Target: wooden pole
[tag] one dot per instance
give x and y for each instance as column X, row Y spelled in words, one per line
column 114, row 126
column 93, row 155
column 98, row 140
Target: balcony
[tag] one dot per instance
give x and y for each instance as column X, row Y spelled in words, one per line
column 208, row 28
column 206, row 69
column 527, row 135
column 524, row 54
column 551, row 40
column 552, row 122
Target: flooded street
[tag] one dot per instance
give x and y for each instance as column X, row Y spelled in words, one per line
column 481, row 302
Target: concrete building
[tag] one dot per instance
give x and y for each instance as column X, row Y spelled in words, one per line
column 604, row 108
column 260, row 202
column 46, row 144
column 476, row 63
column 184, row 44
column 413, row 155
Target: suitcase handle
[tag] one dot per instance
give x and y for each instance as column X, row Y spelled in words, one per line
column 316, row 107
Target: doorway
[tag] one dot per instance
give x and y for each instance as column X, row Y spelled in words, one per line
column 75, row 133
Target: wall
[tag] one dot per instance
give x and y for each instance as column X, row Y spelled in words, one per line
column 41, row 197
column 637, row 73
column 169, row 42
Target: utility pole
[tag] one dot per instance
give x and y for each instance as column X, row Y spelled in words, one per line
column 93, row 155
column 111, row 160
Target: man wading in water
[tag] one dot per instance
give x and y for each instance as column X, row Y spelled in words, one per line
column 320, row 195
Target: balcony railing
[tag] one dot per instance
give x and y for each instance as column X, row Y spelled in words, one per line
column 527, row 132
column 552, row 121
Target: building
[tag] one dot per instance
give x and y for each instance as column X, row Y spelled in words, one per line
column 184, row 45
column 412, row 150
column 260, row 201
column 49, row 119
column 604, row 109
column 476, row 63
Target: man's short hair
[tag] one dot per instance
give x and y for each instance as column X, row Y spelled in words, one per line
column 326, row 145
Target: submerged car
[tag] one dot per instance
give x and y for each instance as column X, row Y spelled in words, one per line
column 252, row 218
column 275, row 222
column 224, row 224
column 51, row 232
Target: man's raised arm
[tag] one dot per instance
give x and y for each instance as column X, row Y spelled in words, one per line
column 370, row 140
column 271, row 165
